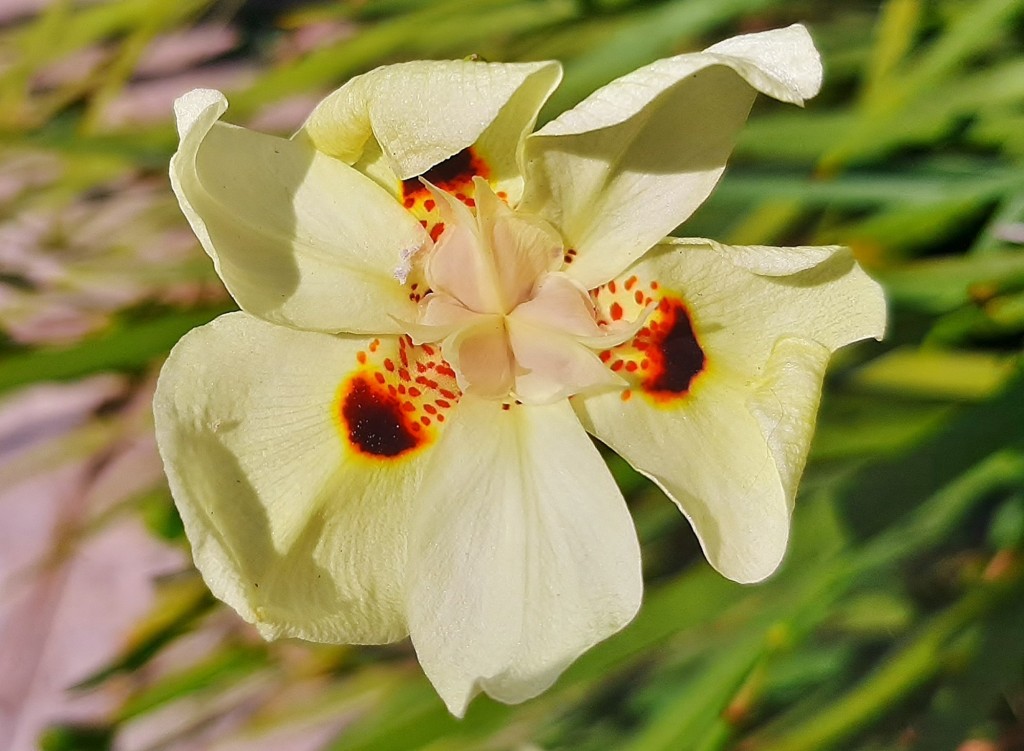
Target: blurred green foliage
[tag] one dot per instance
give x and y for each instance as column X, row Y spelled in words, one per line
column 897, row 621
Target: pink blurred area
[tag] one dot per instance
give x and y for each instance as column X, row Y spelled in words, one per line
column 76, row 572
column 86, row 242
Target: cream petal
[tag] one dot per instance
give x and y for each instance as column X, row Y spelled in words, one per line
column 290, row 523
column 631, row 162
column 298, row 237
column 785, row 403
column 710, row 457
column 421, row 113
column 523, row 553
column 747, row 298
column 729, row 443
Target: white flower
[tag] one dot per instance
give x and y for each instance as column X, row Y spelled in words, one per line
column 391, row 439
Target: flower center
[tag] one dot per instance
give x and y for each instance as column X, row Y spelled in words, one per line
column 510, row 323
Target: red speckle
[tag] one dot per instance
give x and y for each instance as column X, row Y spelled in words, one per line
column 506, row 407
column 605, row 355
column 626, row 395
column 675, row 355
column 361, row 357
column 429, row 204
column 379, row 377
column 436, row 230
column 630, row 283
column 639, row 297
column 616, row 311
column 611, row 286
column 373, row 420
column 425, row 420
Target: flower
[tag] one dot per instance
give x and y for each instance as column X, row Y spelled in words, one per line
column 438, row 306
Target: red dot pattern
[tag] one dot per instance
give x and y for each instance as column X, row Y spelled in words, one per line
column 396, row 398
column 665, row 357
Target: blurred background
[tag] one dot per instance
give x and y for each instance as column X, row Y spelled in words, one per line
column 897, row 621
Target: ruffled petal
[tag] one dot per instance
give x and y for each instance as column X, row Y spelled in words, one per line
column 523, row 553
column 489, row 261
column 561, row 304
column 631, row 162
column 419, row 114
column 298, row 237
column 554, row 365
column 725, row 379
column 481, row 358
column 458, row 265
column 709, row 456
column 521, row 248
column 293, row 468
column 748, row 297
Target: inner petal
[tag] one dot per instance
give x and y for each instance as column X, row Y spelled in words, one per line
column 482, row 358
column 554, row 365
column 511, row 324
column 522, row 248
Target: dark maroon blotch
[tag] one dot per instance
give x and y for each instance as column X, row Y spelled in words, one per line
column 677, row 354
column 375, row 422
column 454, row 171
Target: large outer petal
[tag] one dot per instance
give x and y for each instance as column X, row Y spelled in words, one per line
column 523, row 554
column 288, row 526
column 298, row 237
column 632, row 161
column 421, row 113
column 748, row 297
column 730, row 451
